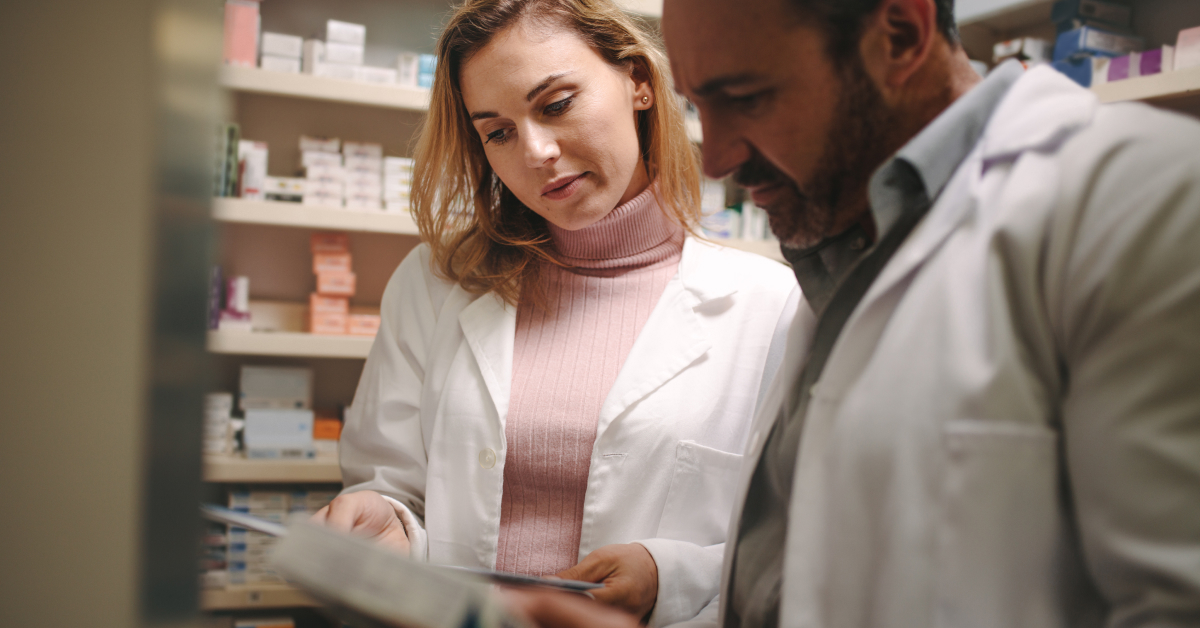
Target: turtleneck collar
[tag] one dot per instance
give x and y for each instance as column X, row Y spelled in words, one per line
column 634, row 235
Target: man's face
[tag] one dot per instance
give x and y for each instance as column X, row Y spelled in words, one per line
column 800, row 132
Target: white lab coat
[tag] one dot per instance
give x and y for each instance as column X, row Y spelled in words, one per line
column 1007, row 432
column 427, row 424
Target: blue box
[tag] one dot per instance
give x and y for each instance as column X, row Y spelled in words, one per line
column 1093, row 41
column 1077, row 68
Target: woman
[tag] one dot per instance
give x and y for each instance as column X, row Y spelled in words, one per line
column 561, row 367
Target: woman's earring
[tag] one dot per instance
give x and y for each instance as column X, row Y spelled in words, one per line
column 645, row 99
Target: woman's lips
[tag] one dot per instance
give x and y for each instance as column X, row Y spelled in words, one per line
column 561, row 190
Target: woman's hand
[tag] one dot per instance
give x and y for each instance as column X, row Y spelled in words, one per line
column 552, row 609
column 628, row 572
column 366, row 514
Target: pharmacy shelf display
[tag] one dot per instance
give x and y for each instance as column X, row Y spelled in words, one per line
column 237, row 469
column 260, row 81
column 285, row 214
column 288, row 344
column 1167, row 89
column 248, row 597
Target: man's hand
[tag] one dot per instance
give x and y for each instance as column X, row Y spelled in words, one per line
column 366, row 514
column 628, row 572
column 552, row 609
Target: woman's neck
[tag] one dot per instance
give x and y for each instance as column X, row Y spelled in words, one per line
column 634, row 234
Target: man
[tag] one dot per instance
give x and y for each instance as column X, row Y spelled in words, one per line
column 988, row 414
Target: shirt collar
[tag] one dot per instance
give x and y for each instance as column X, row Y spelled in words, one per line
column 926, row 163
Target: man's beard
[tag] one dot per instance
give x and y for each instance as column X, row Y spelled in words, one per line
column 861, row 136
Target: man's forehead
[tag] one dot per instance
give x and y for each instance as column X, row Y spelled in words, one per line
column 719, row 43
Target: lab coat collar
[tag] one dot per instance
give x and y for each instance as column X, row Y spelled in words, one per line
column 673, row 337
column 1041, row 110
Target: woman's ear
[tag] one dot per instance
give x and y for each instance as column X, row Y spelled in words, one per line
column 643, row 91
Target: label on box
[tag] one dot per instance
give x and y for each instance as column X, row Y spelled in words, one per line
column 327, row 323
column 364, row 165
column 338, row 284
column 363, row 150
column 331, row 262
column 321, row 145
column 363, row 324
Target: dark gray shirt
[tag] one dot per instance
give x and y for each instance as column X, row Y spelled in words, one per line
column 834, row 275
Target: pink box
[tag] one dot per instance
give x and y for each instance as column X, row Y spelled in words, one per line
column 331, row 262
column 329, row 243
column 1187, row 48
column 328, row 305
column 363, row 324
column 327, row 323
column 336, row 284
column 241, row 33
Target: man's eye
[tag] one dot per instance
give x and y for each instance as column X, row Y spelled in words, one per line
column 747, row 101
column 558, row 108
column 498, row 136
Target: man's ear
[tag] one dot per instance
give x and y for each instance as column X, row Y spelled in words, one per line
column 897, row 40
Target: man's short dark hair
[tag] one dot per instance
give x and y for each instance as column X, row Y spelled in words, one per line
column 843, row 19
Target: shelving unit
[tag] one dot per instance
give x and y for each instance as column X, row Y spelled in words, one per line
column 237, row 469
column 289, row 344
column 278, row 213
column 259, row 81
column 1173, row 89
column 249, row 597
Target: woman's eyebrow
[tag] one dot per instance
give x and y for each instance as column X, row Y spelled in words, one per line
column 483, row 115
column 543, row 85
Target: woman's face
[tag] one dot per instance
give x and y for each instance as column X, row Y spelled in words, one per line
column 557, row 123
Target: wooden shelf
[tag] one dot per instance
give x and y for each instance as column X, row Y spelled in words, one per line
column 240, row 469
column 293, row 344
column 259, row 81
column 253, row 596
column 1159, row 89
column 307, row 217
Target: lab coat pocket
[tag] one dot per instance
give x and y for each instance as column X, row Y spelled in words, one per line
column 701, row 495
column 999, row 528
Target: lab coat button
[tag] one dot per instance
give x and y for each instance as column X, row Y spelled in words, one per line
column 487, row 458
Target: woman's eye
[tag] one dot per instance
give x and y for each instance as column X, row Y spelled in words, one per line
column 498, row 136
column 558, row 108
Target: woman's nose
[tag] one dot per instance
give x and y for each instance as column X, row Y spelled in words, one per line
column 541, row 147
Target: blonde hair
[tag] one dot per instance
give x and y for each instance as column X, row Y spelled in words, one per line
column 479, row 234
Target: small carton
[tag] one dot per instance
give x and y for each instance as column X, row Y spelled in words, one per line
column 336, row 284
column 343, row 54
column 326, row 242
column 345, row 33
column 279, row 64
column 280, row 45
column 327, row 323
column 362, row 150
column 363, row 324
column 328, row 305
column 320, row 145
column 331, row 262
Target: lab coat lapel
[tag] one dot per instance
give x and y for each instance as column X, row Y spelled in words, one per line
column 490, row 326
column 673, row 338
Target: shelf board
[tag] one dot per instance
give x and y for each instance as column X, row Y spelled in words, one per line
column 253, row 596
column 258, row 81
column 240, row 469
column 1002, row 16
column 1160, row 89
column 766, row 248
column 307, row 217
column 293, row 344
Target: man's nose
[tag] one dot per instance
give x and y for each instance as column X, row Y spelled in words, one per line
column 722, row 147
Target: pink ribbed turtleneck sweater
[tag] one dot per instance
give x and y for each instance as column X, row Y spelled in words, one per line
column 565, row 362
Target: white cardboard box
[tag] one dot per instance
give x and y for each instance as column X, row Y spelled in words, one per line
column 345, row 54
column 279, row 64
column 280, row 45
column 345, row 33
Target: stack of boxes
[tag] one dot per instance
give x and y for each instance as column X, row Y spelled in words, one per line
column 280, row 53
column 341, row 55
column 363, row 165
column 218, row 415
column 1091, row 33
column 324, row 178
column 329, row 307
column 277, row 403
column 397, row 183
column 248, row 552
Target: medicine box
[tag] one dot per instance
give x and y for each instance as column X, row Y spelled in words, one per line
column 1090, row 40
column 327, row 429
column 407, row 69
column 326, row 242
column 327, row 323
column 345, row 33
column 320, row 144
column 241, row 32
column 1187, row 49
column 335, row 71
column 275, row 387
column 363, row 324
column 253, row 158
column 331, row 262
column 279, row 433
column 280, row 45
column 343, row 54
column 328, row 305
column 313, row 52
column 371, row 74
column 336, row 284
column 362, row 150
column 280, row 64
column 426, row 66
